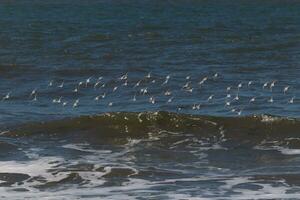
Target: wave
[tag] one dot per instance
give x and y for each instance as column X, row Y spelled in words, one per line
column 132, row 124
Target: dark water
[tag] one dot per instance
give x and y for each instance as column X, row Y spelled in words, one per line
column 150, row 99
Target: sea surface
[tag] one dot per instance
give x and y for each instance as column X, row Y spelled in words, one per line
column 186, row 100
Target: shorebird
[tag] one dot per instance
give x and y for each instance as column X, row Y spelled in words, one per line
column 61, row 85
column 50, row 83
column 6, row 97
column 148, row 75
column 166, row 80
column 291, row 101
column 265, row 85
column 33, row 92
column 210, row 97
column 76, row 103
column 87, row 81
column 272, row 85
column 285, row 89
column 250, row 83
column 152, row 100
column 271, row 100
column 203, row 80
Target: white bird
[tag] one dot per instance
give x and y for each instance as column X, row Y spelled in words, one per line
column 87, row 81
column 75, row 90
column 152, row 100
column 271, row 100
column 186, row 85
column 110, row 104
column 144, row 91
column 148, row 75
column 168, row 93
column 227, row 103
column 138, row 83
column 134, row 98
column 240, row 85
column 203, row 80
column 97, row 98
column 76, row 103
column 291, row 100
column 210, row 97
column 124, row 77
column 50, row 83
column 250, row 83
column 97, row 83
column 170, row 100
column 125, row 83
column 196, row 107
column 166, row 80
column 57, row 100
column 115, row 88
column 189, row 90
column 228, row 88
column 33, row 92
column 6, row 97
column 35, row 97
column 252, row 100
column 239, row 112
column 80, row 83
column 272, row 85
column 265, row 85
column 65, row 103
column 286, row 89
column 237, row 97
column 61, row 85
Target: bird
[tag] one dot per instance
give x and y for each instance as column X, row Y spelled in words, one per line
column 50, row 83
column 124, row 77
column 134, row 98
column 32, row 93
column 148, row 75
column 271, row 100
column 115, row 88
column 167, row 93
column 152, row 100
column 76, row 103
column 285, row 89
column 250, row 83
column 6, row 97
column 196, row 107
column 272, row 85
column 203, row 80
column 87, row 81
column 166, row 80
column 210, row 97
column 291, row 101
column 138, row 83
column 265, row 85
column 252, row 99
column 170, row 100
column 61, row 85
column 35, row 97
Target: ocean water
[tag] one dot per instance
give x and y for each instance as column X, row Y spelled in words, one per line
column 150, row 99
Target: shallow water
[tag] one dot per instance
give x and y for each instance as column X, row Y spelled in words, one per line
column 153, row 116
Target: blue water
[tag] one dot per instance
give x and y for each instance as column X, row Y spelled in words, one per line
column 241, row 44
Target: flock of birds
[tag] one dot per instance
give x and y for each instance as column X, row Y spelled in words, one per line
column 141, row 88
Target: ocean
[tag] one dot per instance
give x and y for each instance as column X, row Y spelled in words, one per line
column 187, row 100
